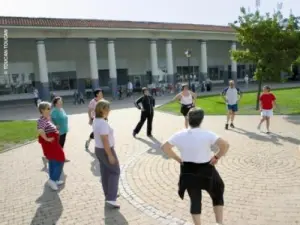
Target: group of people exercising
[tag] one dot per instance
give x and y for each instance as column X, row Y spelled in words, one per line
column 196, row 161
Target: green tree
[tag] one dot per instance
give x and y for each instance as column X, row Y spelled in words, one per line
column 269, row 41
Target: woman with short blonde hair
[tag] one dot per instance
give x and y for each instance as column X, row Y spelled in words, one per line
column 49, row 140
column 105, row 152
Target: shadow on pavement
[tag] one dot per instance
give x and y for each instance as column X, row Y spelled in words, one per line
column 50, row 209
column 274, row 138
column 95, row 167
column 154, row 145
column 113, row 217
column 295, row 119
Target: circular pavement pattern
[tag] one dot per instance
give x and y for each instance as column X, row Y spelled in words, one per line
column 261, row 174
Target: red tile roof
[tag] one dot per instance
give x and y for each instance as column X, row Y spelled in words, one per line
column 86, row 23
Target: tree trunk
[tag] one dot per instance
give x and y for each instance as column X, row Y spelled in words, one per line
column 258, row 92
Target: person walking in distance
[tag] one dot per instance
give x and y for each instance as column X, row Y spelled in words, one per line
column 187, row 100
column 147, row 112
column 267, row 104
column 232, row 96
column 98, row 95
column 106, row 154
column 36, row 96
column 129, row 88
column 198, row 171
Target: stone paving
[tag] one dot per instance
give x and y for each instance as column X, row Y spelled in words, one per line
column 261, row 174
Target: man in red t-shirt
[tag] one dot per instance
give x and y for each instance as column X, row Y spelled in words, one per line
column 267, row 104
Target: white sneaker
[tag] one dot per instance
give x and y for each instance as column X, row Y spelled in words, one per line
column 52, row 184
column 113, row 204
column 59, row 182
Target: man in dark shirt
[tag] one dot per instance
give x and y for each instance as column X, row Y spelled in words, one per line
column 147, row 112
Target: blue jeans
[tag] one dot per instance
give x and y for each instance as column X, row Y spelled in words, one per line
column 55, row 169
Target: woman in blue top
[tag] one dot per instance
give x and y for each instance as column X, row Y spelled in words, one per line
column 60, row 119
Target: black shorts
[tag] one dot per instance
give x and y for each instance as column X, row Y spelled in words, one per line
column 185, row 109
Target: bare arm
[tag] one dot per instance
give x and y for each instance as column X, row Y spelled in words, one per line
column 223, row 147
column 167, row 148
column 90, row 114
column 43, row 135
column 194, row 95
column 106, row 145
column 177, row 97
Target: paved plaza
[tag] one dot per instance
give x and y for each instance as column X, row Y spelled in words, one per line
column 261, row 174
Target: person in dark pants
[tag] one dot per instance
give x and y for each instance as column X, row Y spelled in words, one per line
column 197, row 165
column 147, row 112
column 60, row 120
column 106, row 154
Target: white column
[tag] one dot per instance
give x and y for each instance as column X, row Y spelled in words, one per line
column 43, row 84
column 42, row 60
column 233, row 64
column 112, row 66
column 169, row 53
column 203, row 63
column 154, row 61
column 93, row 63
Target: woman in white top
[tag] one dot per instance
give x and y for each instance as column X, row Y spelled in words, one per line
column 104, row 150
column 187, row 100
column 197, row 164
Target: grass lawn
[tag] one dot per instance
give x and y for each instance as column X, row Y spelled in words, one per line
column 16, row 132
column 288, row 102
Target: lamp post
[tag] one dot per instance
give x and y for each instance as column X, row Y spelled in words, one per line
column 188, row 54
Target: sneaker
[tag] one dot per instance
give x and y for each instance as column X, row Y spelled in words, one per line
column 59, row 182
column 226, row 126
column 134, row 134
column 149, row 135
column 113, row 204
column 232, row 126
column 87, row 143
column 52, row 184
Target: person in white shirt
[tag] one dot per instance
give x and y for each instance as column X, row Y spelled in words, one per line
column 105, row 152
column 232, row 96
column 197, row 164
column 129, row 88
column 246, row 79
column 187, row 100
column 36, row 96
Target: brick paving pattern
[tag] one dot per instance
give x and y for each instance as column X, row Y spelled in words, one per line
column 261, row 174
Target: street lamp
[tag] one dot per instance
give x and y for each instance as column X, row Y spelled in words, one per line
column 188, row 54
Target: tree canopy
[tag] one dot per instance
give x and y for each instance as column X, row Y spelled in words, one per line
column 271, row 42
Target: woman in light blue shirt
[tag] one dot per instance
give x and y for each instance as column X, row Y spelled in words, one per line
column 60, row 119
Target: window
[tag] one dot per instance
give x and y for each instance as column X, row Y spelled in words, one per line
column 213, row 73
column 241, row 71
column 17, row 83
column 59, row 81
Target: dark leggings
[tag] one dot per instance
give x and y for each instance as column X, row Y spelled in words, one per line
column 62, row 140
column 216, row 192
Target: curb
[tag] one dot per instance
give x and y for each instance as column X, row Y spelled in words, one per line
column 17, row 146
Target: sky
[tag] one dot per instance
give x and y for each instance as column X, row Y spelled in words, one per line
column 214, row 12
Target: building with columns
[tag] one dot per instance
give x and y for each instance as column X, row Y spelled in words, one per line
column 62, row 55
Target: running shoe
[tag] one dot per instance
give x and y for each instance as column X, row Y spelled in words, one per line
column 52, row 184
column 232, row 126
column 113, row 204
column 226, row 126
